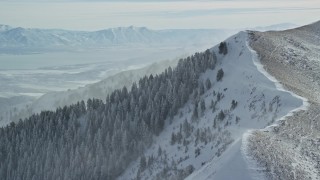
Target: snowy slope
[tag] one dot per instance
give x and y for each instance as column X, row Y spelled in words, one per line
column 214, row 149
column 235, row 159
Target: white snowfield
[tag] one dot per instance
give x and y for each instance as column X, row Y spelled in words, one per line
column 261, row 101
column 237, row 163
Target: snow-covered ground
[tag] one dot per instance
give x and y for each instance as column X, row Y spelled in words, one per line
column 290, row 149
column 220, row 152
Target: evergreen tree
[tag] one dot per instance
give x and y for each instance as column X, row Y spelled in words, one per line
column 221, row 115
column 143, row 163
column 220, row 75
column 201, row 88
column 223, row 49
column 202, row 106
column 195, row 113
column 208, row 84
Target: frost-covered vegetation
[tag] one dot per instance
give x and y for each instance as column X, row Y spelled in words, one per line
column 187, row 122
column 98, row 139
column 290, row 150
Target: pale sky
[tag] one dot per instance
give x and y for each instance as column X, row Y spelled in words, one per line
column 156, row 14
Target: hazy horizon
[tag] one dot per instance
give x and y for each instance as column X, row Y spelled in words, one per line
column 84, row 15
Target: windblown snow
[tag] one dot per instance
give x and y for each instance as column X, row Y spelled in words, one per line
column 214, row 145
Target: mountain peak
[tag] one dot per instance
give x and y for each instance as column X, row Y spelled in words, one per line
column 131, row 28
column 4, row 27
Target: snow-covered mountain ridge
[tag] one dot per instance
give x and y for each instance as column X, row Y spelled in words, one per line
column 294, row 61
column 280, row 142
column 216, row 131
column 213, row 148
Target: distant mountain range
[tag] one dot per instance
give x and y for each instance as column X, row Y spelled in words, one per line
column 54, row 38
column 18, row 39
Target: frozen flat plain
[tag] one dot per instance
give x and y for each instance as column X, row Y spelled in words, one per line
column 37, row 74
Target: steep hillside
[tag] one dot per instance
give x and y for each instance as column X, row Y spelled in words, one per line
column 206, row 137
column 292, row 57
column 217, row 115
